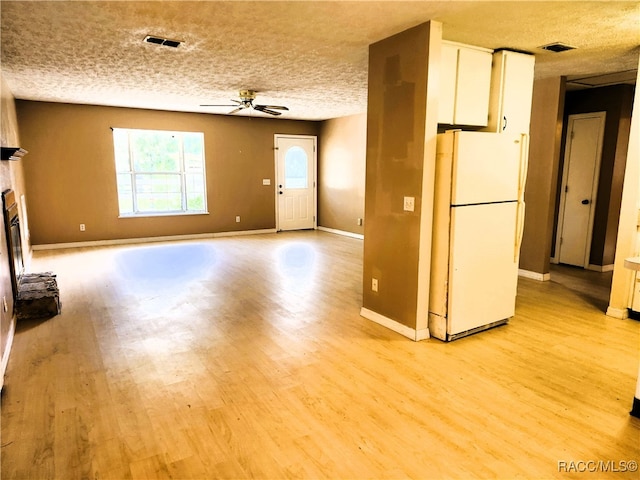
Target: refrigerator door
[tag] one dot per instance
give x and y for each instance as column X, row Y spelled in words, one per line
column 486, row 167
column 483, row 273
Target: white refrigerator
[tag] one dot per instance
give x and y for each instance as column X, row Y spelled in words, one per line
column 478, row 225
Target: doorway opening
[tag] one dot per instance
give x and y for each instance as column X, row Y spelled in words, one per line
column 578, row 194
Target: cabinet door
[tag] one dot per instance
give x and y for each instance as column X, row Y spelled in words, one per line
column 472, row 87
column 464, row 85
column 448, row 74
column 511, row 92
column 517, row 92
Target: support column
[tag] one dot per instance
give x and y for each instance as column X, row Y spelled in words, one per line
column 401, row 135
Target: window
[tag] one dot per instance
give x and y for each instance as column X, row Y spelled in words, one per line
column 159, row 172
column 295, row 168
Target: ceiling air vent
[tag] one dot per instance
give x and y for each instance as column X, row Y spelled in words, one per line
column 162, row 41
column 557, row 47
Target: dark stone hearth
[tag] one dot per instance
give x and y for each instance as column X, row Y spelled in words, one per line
column 38, row 296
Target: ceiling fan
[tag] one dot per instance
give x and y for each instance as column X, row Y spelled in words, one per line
column 246, row 101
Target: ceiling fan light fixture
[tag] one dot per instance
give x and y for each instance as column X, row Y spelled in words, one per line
column 246, row 101
column 247, row 95
column 557, row 47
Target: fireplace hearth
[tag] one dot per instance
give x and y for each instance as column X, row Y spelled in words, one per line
column 35, row 295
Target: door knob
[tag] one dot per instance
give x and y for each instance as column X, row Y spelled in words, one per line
column 585, row 202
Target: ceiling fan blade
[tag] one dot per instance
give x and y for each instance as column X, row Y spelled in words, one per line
column 238, row 102
column 263, row 108
column 237, row 110
column 273, row 107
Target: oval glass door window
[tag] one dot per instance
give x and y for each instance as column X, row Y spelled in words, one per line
column 296, row 166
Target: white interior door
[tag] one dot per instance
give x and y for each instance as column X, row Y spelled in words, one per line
column 296, row 182
column 583, row 150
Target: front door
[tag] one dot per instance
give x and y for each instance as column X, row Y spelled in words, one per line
column 295, row 182
column 583, row 149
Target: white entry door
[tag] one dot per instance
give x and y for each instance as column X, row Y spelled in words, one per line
column 583, row 150
column 295, row 182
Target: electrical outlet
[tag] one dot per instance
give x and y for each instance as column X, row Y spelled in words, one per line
column 374, row 284
column 82, row 227
column 409, row 204
column 237, row 218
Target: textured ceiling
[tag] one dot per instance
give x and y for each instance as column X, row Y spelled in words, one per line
column 308, row 55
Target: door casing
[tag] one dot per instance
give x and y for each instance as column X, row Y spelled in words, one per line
column 573, row 120
column 313, row 176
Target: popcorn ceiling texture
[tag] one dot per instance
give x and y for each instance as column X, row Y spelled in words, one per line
column 309, row 55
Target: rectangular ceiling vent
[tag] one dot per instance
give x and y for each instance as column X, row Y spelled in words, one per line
column 162, row 41
column 557, row 47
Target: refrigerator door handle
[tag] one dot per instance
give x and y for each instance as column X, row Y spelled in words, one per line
column 519, row 231
column 524, row 164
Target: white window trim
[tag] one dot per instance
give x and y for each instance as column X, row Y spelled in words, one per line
column 182, row 173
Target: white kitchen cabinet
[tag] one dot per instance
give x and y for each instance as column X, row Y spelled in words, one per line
column 465, row 85
column 511, row 92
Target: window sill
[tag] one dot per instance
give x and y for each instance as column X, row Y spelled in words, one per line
column 162, row 214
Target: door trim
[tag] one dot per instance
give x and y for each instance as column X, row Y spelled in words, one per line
column 594, row 186
column 314, row 173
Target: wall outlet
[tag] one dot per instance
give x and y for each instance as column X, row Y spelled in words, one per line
column 359, row 222
column 82, row 227
column 237, row 218
column 374, row 284
column 409, row 204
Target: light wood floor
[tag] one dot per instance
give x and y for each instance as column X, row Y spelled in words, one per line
column 593, row 287
column 246, row 357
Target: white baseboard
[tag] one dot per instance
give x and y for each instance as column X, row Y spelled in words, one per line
column 7, row 350
column 600, row 268
column 125, row 241
column 342, row 232
column 621, row 313
column 595, row 268
column 542, row 277
column 411, row 333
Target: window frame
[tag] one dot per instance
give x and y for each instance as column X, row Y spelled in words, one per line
column 183, row 173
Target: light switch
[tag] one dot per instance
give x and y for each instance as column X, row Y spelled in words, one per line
column 409, row 204
column 266, row 181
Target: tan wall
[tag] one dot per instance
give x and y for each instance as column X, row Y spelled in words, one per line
column 11, row 177
column 397, row 94
column 341, row 173
column 70, row 171
column 542, row 177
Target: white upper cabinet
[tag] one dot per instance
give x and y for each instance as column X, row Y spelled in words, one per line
column 465, row 85
column 511, row 92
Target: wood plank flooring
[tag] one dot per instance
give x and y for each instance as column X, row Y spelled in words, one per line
column 246, row 357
